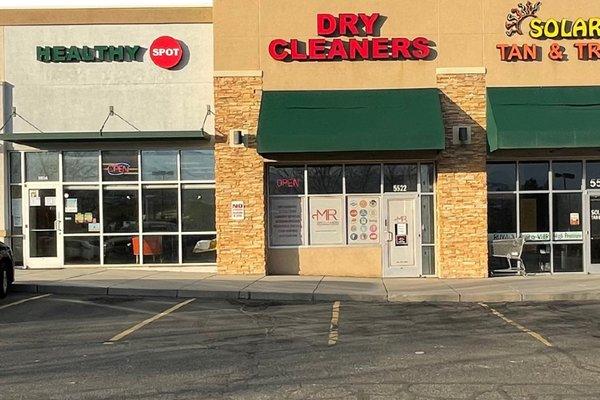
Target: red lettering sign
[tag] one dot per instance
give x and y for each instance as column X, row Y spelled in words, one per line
column 117, row 169
column 327, row 215
column 353, row 48
column 289, row 183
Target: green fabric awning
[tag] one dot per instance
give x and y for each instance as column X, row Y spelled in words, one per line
column 102, row 137
column 543, row 117
column 350, row 120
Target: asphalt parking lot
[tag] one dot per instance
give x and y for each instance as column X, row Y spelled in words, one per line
column 85, row 347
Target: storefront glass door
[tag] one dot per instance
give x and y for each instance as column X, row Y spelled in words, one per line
column 593, row 232
column 43, row 226
column 402, row 258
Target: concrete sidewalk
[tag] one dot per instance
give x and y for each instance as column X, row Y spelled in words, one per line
column 130, row 282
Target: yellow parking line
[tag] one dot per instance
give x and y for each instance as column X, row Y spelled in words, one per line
column 16, row 303
column 533, row 334
column 147, row 321
column 333, row 328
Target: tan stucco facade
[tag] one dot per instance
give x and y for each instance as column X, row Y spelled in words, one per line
column 465, row 60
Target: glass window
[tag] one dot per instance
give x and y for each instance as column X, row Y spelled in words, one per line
column 121, row 250
column 502, row 213
column 16, row 210
column 160, row 249
column 533, row 176
column 198, row 165
column 427, row 221
column 286, row 180
column 593, row 174
column 324, row 179
column 566, row 216
column 536, row 257
column 534, row 213
column 15, row 167
column 567, row 175
column 400, row 178
column 82, row 250
column 502, row 177
column 82, row 210
column 159, row 165
column 427, row 177
column 120, row 206
column 363, row 179
column 286, row 221
column 17, row 249
column 41, row 166
column 326, row 226
column 197, row 209
column 42, row 244
column 199, row 248
column 159, row 207
column 80, row 166
column 568, row 258
column 428, row 258
column 120, row 165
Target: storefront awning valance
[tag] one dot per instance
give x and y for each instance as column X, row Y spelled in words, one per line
column 543, row 117
column 350, row 121
column 102, row 137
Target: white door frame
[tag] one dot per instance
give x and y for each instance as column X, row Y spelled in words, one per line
column 43, row 262
column 587, row 227
column 388, row 270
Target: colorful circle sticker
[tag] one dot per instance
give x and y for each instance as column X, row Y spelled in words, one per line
column 364, row 221
column 363, row 228
column 363, row 236
column 363, row 213
column 353, row 203
column 373, row 213
column 363, row 203
column 353, row 213
column 373, row 228
column 373, row 203
column 353, row 228
column 353, row 236
column 373, row 236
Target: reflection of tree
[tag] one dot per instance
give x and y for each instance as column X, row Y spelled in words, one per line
column 362, row 178
column 81, row 166
column 325, row 180
column 532, row 184
column 401, row 175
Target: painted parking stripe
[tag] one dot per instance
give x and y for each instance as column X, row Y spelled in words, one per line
column 333, row 327
column 533, row 334
column 16, row 303
column 136, row 327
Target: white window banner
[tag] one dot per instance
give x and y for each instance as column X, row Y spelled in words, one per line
column 326, row 220
column 363, row 220
column 285, row 221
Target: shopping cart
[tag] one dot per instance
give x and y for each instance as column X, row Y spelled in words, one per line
column 510, row 249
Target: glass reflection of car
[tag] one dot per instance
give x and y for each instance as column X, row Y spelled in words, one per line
column 80, row 249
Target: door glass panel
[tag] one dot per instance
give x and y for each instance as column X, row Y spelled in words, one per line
column 42, row 210
column 42, row 244
column 595, row 229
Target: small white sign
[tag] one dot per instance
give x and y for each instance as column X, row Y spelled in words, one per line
column 71, row 206
column 35, row 201
column 50, row 201
column 238, row 212
column 93, row 227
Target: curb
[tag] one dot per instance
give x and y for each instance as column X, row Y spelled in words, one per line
column 304, row 297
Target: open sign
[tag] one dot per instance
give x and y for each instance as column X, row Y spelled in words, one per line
column 117, row 169
column 166, row 52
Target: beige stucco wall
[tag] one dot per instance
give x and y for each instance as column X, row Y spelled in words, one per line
column 331, row 261
column 61, row 97
column 466, row 33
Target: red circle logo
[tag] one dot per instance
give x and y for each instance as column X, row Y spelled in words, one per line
column 166, row 52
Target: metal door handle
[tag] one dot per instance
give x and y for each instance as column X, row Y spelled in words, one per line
column 390, row 236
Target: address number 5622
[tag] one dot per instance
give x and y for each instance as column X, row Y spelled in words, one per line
column 594, row 183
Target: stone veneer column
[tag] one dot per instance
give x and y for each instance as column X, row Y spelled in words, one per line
column 239, row 177
column 461, row 188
